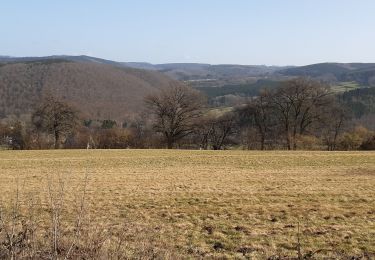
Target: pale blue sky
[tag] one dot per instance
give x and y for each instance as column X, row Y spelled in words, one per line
column 272, row 32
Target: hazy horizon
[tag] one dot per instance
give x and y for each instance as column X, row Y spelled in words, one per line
column 280, row 33
column 188, row 62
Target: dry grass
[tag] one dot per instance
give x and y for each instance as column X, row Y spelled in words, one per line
column 210, row 203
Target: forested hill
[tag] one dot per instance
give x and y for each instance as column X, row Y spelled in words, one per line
column 231, row 74
column 360, row 101
column 362, row 73
column 99, row 90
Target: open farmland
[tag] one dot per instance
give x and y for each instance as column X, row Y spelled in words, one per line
column 345, row 86
column 207, row 203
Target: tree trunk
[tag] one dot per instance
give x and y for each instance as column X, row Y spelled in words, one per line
column 289, row 146
column 57, row 141
column 294, row 144
column 169, row 144
column 262, row 140
column 287, row 132
column 294, row 137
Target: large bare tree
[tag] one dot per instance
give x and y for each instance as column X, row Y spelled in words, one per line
column 175, row 110
column 299, row 104
column 55, row 117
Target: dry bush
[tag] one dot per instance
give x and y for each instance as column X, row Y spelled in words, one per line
column 368, row 144
column 308, row 142
column 354, row 139
column 116, row 138
column 81, row 138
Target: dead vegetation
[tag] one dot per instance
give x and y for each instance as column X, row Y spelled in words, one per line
column 143, row 204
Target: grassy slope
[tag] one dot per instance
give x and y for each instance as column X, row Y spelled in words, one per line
column 345, row 86
column 235, row 201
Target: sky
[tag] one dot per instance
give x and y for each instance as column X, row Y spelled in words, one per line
column 269, row 32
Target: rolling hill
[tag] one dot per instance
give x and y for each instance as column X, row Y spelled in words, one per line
column 105, row 89
column 364, row 76
column 224, row 74
column 99, row 90
column 201, row 71
column 177, row 71
column 81, row 58
column 362, row 73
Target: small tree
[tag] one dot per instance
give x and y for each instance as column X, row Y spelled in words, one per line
column 175, row 110
column 55, row 117
column 332, row 124
column 18, row 136
column 203, row 131
column 258, row 114
column 222, row 128
column 141, row 132
column 14, row 135
column 108, row 124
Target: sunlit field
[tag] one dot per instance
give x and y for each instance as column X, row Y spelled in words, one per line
column 222, row 204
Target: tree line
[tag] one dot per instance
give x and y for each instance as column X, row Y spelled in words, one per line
column 300, row 114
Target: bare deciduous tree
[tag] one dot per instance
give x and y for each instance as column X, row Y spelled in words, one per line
column 298, row 104
column 55, row 117
column 175, row 110
column 222, row 128
column 258, row 114
column 333, row 123
column 204, row 131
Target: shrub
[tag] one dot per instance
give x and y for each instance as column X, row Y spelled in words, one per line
column 368, row 144
column 353, row 140
column 116, row 138
column 308, row 142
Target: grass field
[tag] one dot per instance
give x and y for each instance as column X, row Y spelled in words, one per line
column 345, row 86
column 224, row 204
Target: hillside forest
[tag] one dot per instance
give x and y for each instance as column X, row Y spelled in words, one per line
column 62, row 103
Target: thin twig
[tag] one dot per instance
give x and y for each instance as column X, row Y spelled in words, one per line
column 80, row 216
